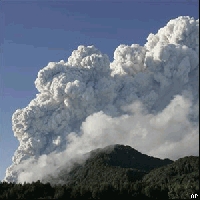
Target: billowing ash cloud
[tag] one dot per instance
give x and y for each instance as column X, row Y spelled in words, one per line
column 146, row 98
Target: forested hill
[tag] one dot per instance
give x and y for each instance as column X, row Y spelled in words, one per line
column 118, row 171
column 115, row 163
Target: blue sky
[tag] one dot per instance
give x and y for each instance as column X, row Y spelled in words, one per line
column 33, row 33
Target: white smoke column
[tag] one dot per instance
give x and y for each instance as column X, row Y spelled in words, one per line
column 146, row 98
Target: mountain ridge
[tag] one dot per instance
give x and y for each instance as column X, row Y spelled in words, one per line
column 119, row 171
column 123, row 160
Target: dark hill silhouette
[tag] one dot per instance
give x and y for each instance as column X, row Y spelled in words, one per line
column 181, row 176
column 111, row 164
column 118, row 171
column 127, row 157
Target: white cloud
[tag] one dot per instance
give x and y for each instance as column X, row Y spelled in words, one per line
column 146, row 98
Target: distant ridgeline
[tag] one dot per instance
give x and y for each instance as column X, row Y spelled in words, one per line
column 120, row 171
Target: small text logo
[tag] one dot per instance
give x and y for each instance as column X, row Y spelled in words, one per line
column 194, row 196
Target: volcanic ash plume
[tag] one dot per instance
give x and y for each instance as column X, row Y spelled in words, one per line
column 146, row 98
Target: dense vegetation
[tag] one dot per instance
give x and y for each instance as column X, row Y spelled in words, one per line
column 120, row 171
